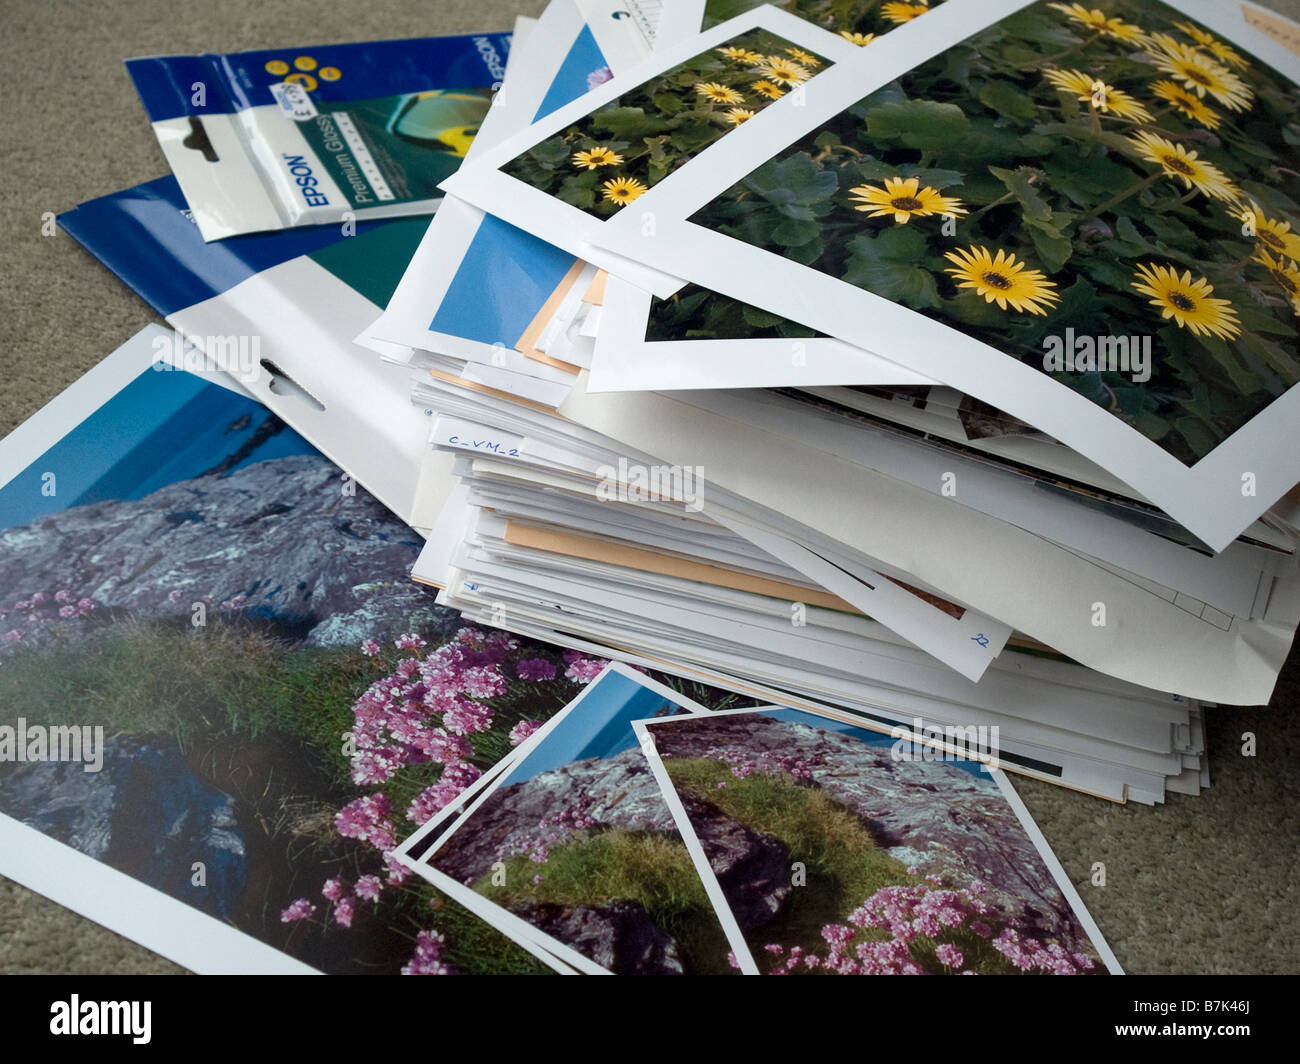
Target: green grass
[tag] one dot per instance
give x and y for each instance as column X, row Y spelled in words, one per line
column 215, row 682
column 477, row 948
column 622, row 865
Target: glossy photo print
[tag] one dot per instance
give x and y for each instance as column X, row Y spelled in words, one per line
column 222, row 692
column 1079, row 216
column 573, row 847
column 1121, row 177
column 840, row 851
column 612, row 156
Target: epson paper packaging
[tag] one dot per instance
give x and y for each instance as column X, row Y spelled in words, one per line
column 302, row 136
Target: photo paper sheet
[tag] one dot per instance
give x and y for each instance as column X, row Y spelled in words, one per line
column 475, row 284
column 224, row 703
column 574, row 849
column 699, row 339
column 567, row 175
column 277, row 138
column 831, row 849
column 1144, row 225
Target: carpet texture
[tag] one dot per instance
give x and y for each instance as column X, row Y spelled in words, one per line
column 1201, row 884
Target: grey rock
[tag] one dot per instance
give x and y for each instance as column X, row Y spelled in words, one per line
column 619, row 936
column 753, row 869
column 326, row 566
column 144, row 813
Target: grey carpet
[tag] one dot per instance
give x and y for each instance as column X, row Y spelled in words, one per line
column 1201, row 884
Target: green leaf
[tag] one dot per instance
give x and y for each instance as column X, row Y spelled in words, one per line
column 791, row 232
column 1277, row 358
column 630, row 122
column 923, row 124
column 668, row 103
column 1243, row 380
column 796, row 180
column 1053, row 251
column 759, row 319
column 1019, row 183
column 1198, row 436
column 887, row 265
column 1151, row 426
column 1007, row 100
column 1261, row 321
column 575, row 195
column 550, row 154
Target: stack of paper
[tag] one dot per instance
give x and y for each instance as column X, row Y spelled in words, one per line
column 731, row 379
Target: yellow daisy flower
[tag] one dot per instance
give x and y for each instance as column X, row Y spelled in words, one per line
column 737, row 115
column 597, row 157
column 784, row 71
column 742, row 55
column 766, row 88
column 898, row 12
column 1003, row 280
column 1284, row 273
column 1227, row 54
column 1270, row 232
column 1188, row 301
column 719, row 93
column 904, row 198
column 1096, row 20
column 623, row 190
column 1097, row 94
column 1199, row 72
column 860, row 39
column 806, row 58
column 1224, row 52
column 1188, row 103
column 1178, row 162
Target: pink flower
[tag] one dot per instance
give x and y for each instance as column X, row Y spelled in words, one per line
column 367, row 819
column 537, row 878
column 64, row 595
column 369, row 887
column 427, row 959
column 13, row 635
column 344, row 911
column 297, row 910
column 598, row 77
column 410, row 641
column 467, row 718
column 584, row 670
column 949, row 956
column 174, row 596
column 370, row 648
column 333, row 889
column 397, row 872
column 520, row 732
column 535, row 670
column 39, row 597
